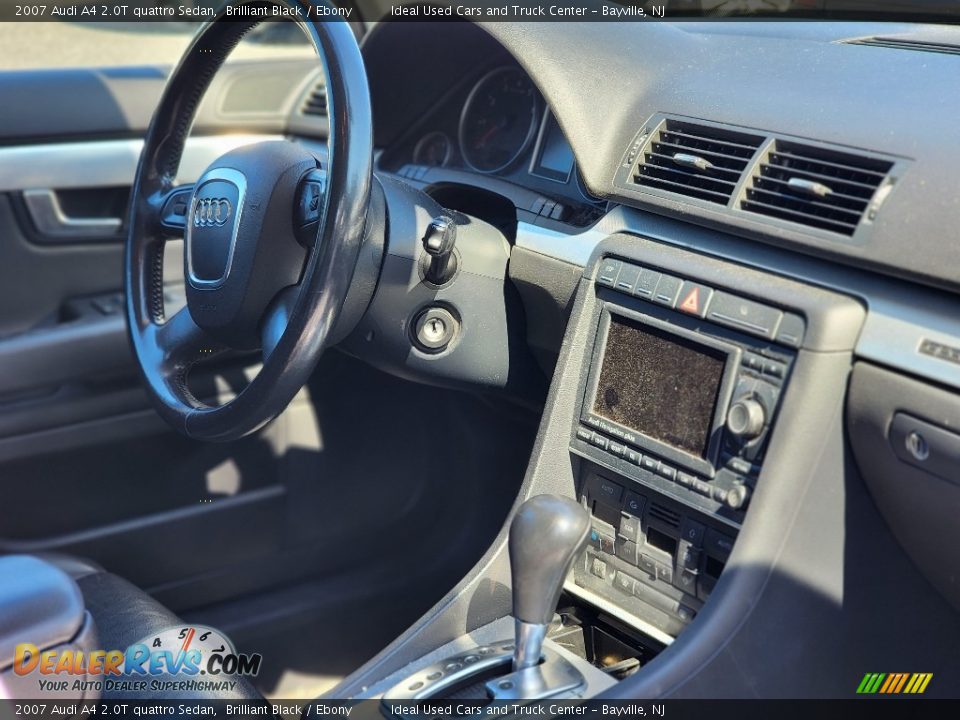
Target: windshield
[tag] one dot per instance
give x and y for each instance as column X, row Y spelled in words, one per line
column 30, row 45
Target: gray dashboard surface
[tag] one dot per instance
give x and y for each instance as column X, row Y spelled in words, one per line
column 603, row 80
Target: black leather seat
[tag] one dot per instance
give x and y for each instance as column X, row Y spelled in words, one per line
column 123, row 614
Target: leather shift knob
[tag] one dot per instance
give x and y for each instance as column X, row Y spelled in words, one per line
column 546, row 535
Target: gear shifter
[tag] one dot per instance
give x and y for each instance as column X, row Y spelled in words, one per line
column 546, row 534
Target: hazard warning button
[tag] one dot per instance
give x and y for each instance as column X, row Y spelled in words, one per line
column 693, row 298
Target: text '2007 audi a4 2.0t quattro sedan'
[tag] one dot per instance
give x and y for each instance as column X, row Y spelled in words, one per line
column 438, row 360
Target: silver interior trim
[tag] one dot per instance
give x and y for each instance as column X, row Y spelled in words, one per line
column 103, row 163
column 642, row 625
column 44, row 209
column 900, row 315
column 238, row 179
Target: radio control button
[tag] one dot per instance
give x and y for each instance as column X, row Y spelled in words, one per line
column 616, row 449
column 584, row 434
column 737, row 496
column 743, row 314
column 668, row 472
column 741, row 466
column 752, row 362
column 685, row 613
column 774, row 369
column 627, row 278
column 632, row 456
column 665, row 573
column 608, row 271
column 646, row 283
column 668, row 288
column 649, row 463
column 746, row 418
column 701, row 487
column 685, row 479
column 719, row 494
column 599, row 440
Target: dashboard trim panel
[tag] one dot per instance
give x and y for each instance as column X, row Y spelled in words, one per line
column 105, row 162
column 901, row 315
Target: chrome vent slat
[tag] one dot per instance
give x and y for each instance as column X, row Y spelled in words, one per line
column 667, row 162
column 739, row 164
column 697, row 161
column 844, row 185
column 854, row 189
column 852, row 202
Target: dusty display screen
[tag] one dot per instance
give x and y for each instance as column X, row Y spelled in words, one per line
column 660, row 385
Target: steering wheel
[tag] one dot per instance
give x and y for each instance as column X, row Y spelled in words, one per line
column 271, row 239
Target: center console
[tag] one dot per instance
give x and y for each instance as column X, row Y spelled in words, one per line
column 693, row 433
column 674, row 414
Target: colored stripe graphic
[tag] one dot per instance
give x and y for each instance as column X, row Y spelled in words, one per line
column 894, row 683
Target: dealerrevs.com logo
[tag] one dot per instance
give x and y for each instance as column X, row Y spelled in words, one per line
column 179, row 659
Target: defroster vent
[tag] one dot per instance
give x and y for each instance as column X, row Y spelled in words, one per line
column 698, row 161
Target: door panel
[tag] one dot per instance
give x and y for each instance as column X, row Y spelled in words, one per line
column 86, row 466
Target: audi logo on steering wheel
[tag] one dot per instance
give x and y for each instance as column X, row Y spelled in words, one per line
column 211, row 212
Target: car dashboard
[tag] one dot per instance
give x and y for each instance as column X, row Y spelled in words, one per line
column 719, row 258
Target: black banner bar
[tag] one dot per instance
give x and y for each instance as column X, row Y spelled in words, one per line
column 113, row 11
column 873, row 708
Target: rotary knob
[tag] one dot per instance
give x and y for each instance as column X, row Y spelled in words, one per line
column 737, row 496
column 746, row 418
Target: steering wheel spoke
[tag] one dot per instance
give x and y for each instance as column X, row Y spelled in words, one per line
column 169, row 211
column 276, row 319
column 181, row 342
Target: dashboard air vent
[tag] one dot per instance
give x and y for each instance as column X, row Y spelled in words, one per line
column 665, row 515
column 316, row 102
column 698, row 161
column 812, row 186
column 907, row 44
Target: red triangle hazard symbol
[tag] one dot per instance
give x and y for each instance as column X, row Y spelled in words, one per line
column 692, row 303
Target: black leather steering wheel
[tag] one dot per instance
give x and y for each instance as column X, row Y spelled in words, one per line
column 272, row 241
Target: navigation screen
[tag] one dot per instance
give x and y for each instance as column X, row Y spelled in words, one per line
column 660, row 385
